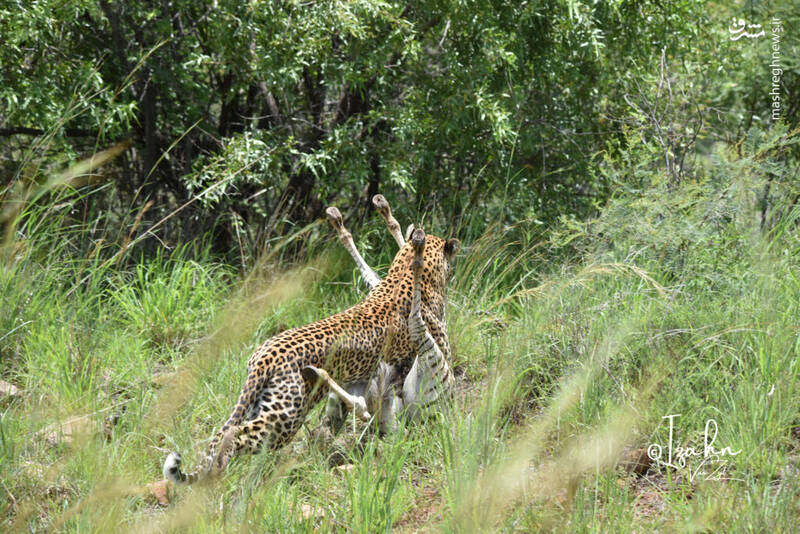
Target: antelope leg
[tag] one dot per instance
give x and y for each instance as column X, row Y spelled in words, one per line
column 353, row 402
column 367, row 274
column 430, row 375
column 380, row 203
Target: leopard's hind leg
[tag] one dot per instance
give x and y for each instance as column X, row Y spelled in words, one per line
column 280, row 415
column 272, row 419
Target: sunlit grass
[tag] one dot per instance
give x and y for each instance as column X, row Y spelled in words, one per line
column 562, row 367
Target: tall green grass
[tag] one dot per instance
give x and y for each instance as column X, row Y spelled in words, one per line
column 569, row 348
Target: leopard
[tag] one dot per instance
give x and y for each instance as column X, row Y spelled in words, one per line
column 396, row 391
column 401, row 320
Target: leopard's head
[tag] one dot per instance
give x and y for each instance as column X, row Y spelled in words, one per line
column 439, row 263
column 439, row 257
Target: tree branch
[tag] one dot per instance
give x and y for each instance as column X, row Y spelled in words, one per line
column 69, row 132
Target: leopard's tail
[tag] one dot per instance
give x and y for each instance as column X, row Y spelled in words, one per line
column 221, row 449
column 219, row 452
column 172, row 471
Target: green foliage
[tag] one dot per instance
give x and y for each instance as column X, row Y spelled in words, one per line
column 680, row 297
column 628, row 210
column 168, row 301
column 264, row 113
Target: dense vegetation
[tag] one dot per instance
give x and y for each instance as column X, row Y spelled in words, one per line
column 627, row 201
column 262, row 114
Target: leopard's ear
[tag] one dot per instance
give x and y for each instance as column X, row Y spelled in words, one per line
column 451, row 247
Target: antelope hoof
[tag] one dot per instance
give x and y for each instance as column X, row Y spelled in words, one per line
column 380, row 203
column 418, row 239
column 335, row 217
